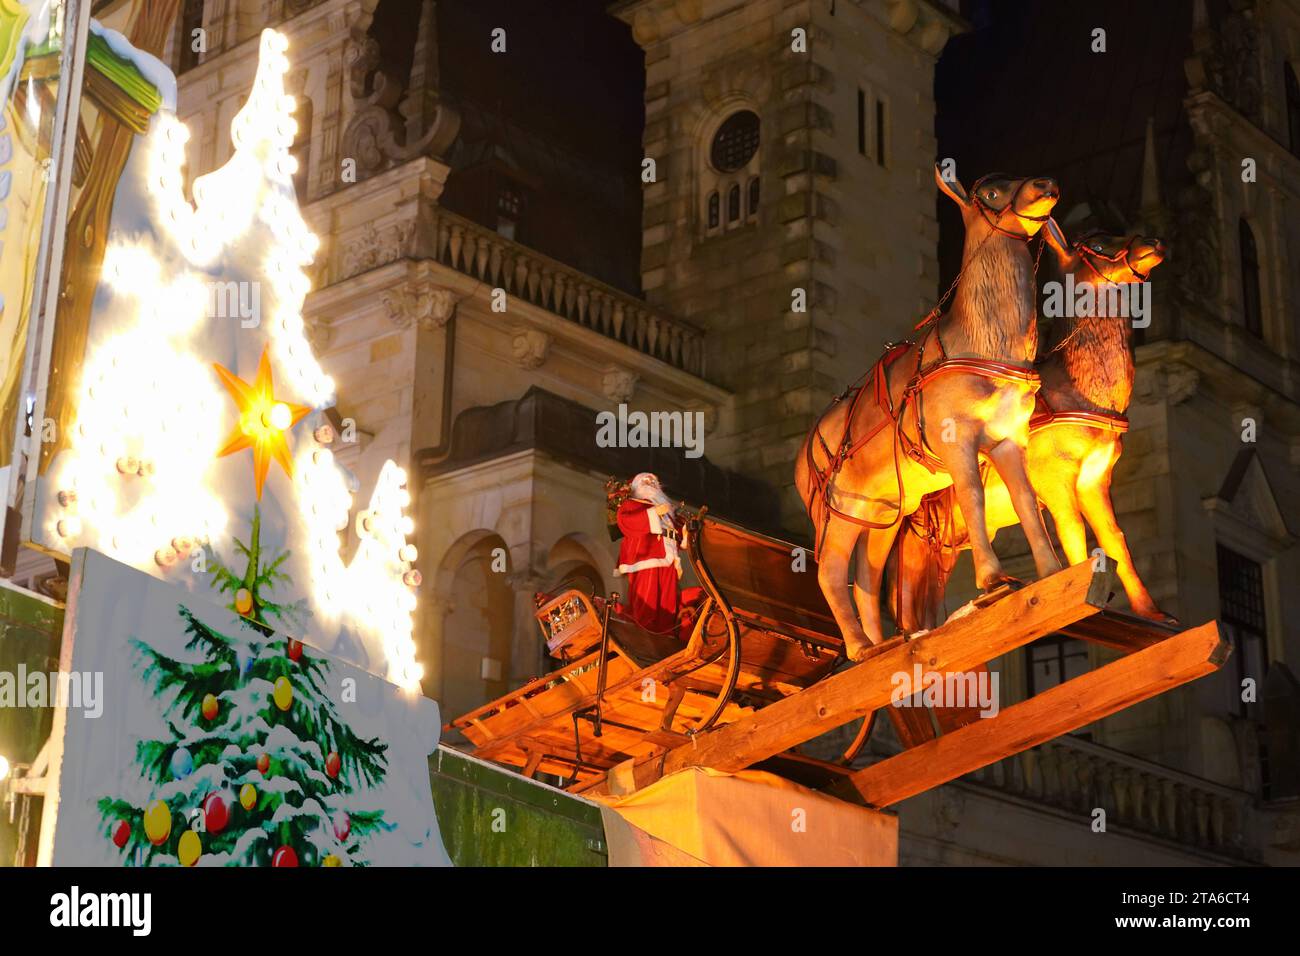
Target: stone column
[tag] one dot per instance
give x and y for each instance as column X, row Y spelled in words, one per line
column 527, row 648
column 430, row 617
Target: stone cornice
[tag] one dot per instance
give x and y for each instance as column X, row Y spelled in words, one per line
column 1210, row 116
column 1223, row 381
column 925, row 23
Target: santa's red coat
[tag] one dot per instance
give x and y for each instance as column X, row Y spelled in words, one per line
column 651, row 565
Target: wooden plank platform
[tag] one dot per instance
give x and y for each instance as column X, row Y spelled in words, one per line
column 548, row 725
column 1145, row 673
column 959, row 645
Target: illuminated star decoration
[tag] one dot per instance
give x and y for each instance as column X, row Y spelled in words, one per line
column 263, row 421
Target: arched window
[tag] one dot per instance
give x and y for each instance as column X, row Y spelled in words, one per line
column 728, row 169
column 1293, row 107
column 1250, row 297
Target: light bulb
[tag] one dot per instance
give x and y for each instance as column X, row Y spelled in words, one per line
column 280, row 416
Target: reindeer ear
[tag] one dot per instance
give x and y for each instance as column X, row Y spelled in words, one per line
column 952, row 189
column 1056, row 239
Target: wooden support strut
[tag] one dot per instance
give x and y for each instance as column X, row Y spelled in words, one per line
column 1058, row 710
column 959, row 645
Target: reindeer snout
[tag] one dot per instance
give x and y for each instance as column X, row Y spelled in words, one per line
column 1036, row 197
column 1150, row 251
column 1047, row 187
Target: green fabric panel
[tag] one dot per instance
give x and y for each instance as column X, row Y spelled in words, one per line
column 492, row 817
column 30, row 631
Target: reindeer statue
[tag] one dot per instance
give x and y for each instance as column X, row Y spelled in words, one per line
column 968, row 383
column 1075, row 439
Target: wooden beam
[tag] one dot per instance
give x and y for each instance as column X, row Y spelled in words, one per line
column 958, row 645
column 1119, row 630
column 1142, row 674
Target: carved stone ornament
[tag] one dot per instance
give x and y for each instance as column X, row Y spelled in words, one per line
column 1232, row 64
column 529, row 347
column 1195, row 263
column 376, row 136
column 1174, row 383
column 318, row 333
column 419, row 301
column 376, row 247
column 618, row 384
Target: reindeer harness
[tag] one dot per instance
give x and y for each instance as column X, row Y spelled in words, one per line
column 918, row 449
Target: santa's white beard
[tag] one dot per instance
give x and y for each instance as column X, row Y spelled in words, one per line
column 651, row 493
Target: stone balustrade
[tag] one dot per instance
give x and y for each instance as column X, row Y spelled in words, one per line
column 1079, row 776
column 479, row 252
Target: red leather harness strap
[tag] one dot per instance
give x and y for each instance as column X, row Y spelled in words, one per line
column 917, row 449
column 1046, row 417
column 1111, row 423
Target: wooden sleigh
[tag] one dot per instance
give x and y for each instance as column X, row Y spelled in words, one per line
column 763, row 632
column 762, row 674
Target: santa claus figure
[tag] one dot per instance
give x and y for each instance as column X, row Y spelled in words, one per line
column 648, row 555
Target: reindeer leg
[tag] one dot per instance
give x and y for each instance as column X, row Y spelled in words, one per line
column 908, row 573
column 1009, row 459
column 872, row 552
column 833, row 576
column 1060, row 495
column 962, row 463
column 1094, row 498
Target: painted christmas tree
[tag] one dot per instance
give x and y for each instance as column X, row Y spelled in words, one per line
column 257, row 769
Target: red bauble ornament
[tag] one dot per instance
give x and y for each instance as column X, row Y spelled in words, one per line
column 263, row 764
column 285, row 857
column 295, row 649
column 122, row 833
column 216, row 812
column 342, row 826
column 332, row 765
column 209, row 707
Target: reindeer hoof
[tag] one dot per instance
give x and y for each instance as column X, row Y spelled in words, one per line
column 857, row 654
column 1002, row 580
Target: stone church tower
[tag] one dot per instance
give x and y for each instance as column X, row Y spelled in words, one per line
column 792, row 212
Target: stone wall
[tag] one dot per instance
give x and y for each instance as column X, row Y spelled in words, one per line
column 856, row 234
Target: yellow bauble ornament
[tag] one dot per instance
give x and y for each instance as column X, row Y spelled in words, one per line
column 243, row 601
column 248, row 796
column 190, row 848
column 158, row 822
column 283, row 694
column 331, row 860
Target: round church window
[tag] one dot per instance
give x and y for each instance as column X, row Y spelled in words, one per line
column 735, row 142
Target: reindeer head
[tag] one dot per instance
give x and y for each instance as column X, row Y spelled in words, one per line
column 1004, row 204
column 1097, row 256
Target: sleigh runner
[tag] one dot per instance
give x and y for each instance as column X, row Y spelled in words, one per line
column 763, row 672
